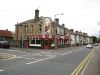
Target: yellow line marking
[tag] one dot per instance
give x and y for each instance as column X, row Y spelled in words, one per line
column 9, row 56
column 12, row 57
column 82, row 64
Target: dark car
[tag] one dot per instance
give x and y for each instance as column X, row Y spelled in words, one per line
column 4, row 44
column 95, row 44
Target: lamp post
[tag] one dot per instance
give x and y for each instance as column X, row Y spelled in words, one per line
column 22, row 36
column 55, row 41
column 99, row 32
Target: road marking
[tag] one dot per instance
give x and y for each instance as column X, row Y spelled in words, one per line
column 32, row 58
column 36, row 54
column 8, row 56
column 12, row 50
column 67, row 53
column 1, row 70
column 82, row 73
column 38, row 60
column 82, row 64
column 48, row 58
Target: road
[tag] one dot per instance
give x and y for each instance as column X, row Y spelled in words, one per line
column 42, row 62
column 93, row 66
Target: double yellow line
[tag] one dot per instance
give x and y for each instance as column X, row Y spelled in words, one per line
column 82, row 64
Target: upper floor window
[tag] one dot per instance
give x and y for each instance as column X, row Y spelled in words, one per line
column 32, row 28
column 26, row 28
column 40, row 27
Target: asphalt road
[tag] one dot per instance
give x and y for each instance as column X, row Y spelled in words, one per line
column 93, row 66
column 42, row 62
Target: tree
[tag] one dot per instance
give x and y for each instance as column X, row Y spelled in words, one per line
column 94, row 39
column 98, row 40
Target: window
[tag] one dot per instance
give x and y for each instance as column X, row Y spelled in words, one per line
column 40, row 27
column 38, row 41
column 31, row 28
column 2, row 38
column 33, row 41
column 26, row 28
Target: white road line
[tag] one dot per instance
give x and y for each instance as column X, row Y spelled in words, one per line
column 1, row 70
column 38, row 60
column 19, row 57
column 12, row 50
column 49, row 57
column 36, row 54
column 32, row 58
column 66, row 53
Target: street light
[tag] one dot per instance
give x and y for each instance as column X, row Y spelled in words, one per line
column 99, row 31
column 59, row 14
column 21, row 43
column 55, row 30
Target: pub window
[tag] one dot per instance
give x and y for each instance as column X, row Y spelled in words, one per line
column 33, row 41
column 38, row 41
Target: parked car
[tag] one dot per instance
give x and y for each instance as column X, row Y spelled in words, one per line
column 89, row 46
column 95, row 44
column 4, row 44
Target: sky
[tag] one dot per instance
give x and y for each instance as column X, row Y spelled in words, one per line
column 81, row 15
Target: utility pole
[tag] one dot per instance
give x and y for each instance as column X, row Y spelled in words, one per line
column 22, row 36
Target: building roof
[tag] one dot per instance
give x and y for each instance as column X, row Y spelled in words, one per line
column 5, row 33
column 32, row 20
column 25, row 22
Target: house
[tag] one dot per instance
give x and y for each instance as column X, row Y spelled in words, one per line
column 73, row 37
column 41, row 32
column 85, row 38
column 80, row 38
column 77, row 38
column 6, row 35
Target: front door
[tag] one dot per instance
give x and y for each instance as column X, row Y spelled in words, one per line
column 46, row 44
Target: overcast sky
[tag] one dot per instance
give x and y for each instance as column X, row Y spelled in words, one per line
column 81, row 15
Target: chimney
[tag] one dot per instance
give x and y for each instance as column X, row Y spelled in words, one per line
column 6, row 29
column 76, row 32
column 36, row 15
column 63, row 25
column 56, row 21
column 71, row 30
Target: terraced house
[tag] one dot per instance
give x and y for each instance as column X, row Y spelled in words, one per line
column 43, row 32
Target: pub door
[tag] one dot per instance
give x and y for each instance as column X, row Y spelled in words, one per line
column 46, row 43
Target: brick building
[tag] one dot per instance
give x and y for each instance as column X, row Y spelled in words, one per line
column 6, row 35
